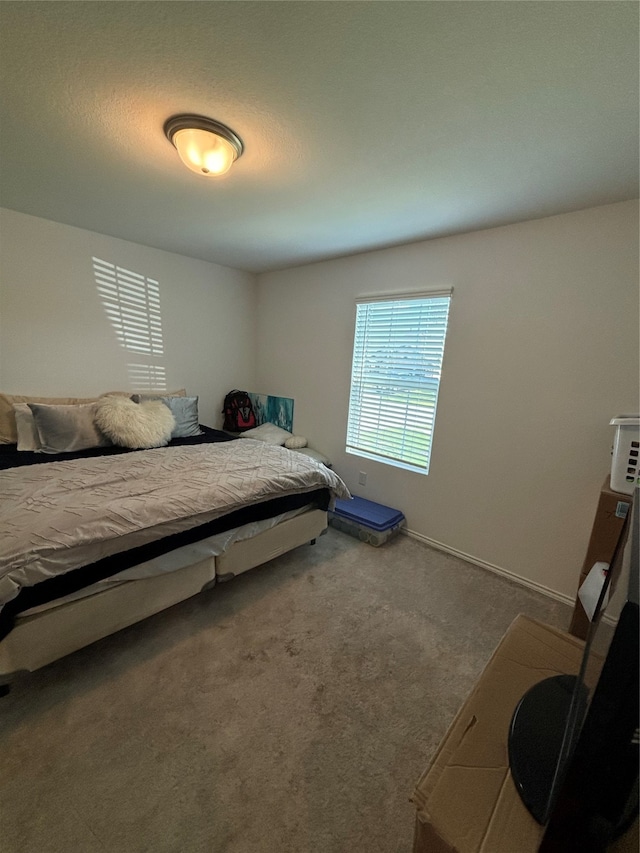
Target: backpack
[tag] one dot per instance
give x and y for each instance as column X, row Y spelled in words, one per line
column 238, row 412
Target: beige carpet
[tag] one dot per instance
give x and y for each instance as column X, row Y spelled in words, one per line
column 291, row 710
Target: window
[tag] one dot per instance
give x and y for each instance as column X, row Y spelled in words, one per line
column 395, row 377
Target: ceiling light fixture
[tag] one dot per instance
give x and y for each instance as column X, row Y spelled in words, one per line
column 205, row 146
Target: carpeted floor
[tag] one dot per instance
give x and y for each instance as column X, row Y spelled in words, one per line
column 291, row 710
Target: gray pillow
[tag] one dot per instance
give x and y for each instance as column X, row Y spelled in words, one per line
column 183, row 409
column 64, row 429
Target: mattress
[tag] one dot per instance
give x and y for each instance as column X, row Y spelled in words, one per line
column 67, row 524
column 170, row 561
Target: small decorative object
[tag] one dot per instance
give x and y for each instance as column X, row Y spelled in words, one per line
column 295, row 442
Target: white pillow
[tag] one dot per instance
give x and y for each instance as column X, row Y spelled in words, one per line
column 147, row 395
column 135, row 425
column 28, row 438
column 269, row 433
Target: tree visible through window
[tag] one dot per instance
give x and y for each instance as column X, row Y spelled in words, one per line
column 395, row 378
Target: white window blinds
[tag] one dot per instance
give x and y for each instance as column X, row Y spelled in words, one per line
column 395, row 377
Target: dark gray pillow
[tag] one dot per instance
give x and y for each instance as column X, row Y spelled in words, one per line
column 183, row 409
column 64, row 429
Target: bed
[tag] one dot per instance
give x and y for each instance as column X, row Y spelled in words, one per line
column 96, row 539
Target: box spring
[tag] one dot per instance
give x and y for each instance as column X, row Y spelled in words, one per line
column 41, row 638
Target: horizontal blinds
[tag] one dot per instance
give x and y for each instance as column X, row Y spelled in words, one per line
column 397, row 360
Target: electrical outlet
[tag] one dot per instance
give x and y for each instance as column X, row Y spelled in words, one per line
column 362, row 479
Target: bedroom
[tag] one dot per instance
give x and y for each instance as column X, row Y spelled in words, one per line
column 542, row 349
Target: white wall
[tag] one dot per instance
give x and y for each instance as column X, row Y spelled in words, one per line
column 56, row 338
column 542, row 351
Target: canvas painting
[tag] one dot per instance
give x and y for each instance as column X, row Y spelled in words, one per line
column 273, row 410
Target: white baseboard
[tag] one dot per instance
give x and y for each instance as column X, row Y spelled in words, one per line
column 537, row 587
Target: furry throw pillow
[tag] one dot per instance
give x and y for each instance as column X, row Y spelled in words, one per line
column 135, row 425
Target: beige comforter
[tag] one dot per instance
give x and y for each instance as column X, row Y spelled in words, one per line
column 60, row 516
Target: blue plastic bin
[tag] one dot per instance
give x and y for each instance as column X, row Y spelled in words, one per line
column 366, row 520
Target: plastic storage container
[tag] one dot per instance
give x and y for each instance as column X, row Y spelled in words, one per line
column 366, row 520
column 625, row 464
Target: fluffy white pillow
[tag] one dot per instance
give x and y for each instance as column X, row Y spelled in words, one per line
column 269, row 433
column 135, row 425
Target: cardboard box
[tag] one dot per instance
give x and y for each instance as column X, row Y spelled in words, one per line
column 607, row 525
column 466, row 801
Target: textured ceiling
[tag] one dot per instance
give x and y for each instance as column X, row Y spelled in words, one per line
column 365, row 124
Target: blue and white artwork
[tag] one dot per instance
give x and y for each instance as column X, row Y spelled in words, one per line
column 273, row 410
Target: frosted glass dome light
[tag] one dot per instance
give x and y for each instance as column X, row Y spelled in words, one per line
column 205, row 146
